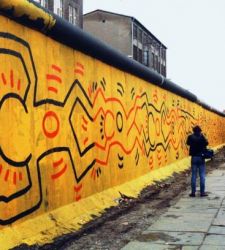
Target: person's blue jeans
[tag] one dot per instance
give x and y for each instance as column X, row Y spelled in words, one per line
column 197, row 165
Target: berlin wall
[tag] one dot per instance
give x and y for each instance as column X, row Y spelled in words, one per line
column 80, row 122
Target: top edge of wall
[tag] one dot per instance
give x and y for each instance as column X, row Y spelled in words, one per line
column 31, row 14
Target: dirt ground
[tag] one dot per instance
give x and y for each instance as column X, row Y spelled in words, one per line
column 121, row 224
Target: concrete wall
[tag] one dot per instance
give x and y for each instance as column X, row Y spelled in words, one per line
column 112, row 29
column 74, row 131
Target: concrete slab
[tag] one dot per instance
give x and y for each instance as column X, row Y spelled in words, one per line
column 214, row 239
column 196, row 210
column 217, row 230
column 220, row 193
column 181, row 224
column 210, row 247
column 214, row 183
column 219, row 221
column 176, row 214
column 221, row 212
column 211, row 199
column 171, row 238
column 215, row 178
column 190, row 248
column 216, row 172
column 134, row 245
column 197, row 204
column 215, row 188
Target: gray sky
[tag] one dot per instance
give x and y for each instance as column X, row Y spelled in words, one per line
column 194, row 33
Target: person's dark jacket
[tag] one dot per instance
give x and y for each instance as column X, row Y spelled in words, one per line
column 197, row 143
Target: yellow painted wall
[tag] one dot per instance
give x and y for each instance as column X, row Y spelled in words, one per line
column 72, row 126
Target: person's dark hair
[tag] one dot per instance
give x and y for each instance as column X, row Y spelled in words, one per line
column 197, row 129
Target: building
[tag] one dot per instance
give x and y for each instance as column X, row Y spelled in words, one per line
column 71, row 10
column 128, row 35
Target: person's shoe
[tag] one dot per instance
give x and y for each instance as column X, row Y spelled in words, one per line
column 203, row 194
column 192, row 195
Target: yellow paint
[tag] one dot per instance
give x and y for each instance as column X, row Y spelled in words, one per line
column 45, row 228
column 23, row 7
column 75, row 131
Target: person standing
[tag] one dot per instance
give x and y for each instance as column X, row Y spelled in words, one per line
column 197, row 143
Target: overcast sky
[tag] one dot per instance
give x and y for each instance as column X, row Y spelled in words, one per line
column 194, row 33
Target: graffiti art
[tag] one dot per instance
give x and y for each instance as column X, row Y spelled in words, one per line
column 66, row 133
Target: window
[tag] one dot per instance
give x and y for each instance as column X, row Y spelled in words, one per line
column 157, row 49
column 72, row 15
column 163, row 53
column 135, row 52
column 140, row 35
column 146, row 57
column 153, row 61
column 152, row 49
column 140, row 55
column 58, row 7
column 145, row 39
column 44, row 3
column 150, row 59
column 135, row 31
column 163, row 71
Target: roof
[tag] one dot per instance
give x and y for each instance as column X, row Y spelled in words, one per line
column 132, row 18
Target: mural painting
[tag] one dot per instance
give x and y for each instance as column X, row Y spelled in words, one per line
column 72, row 126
